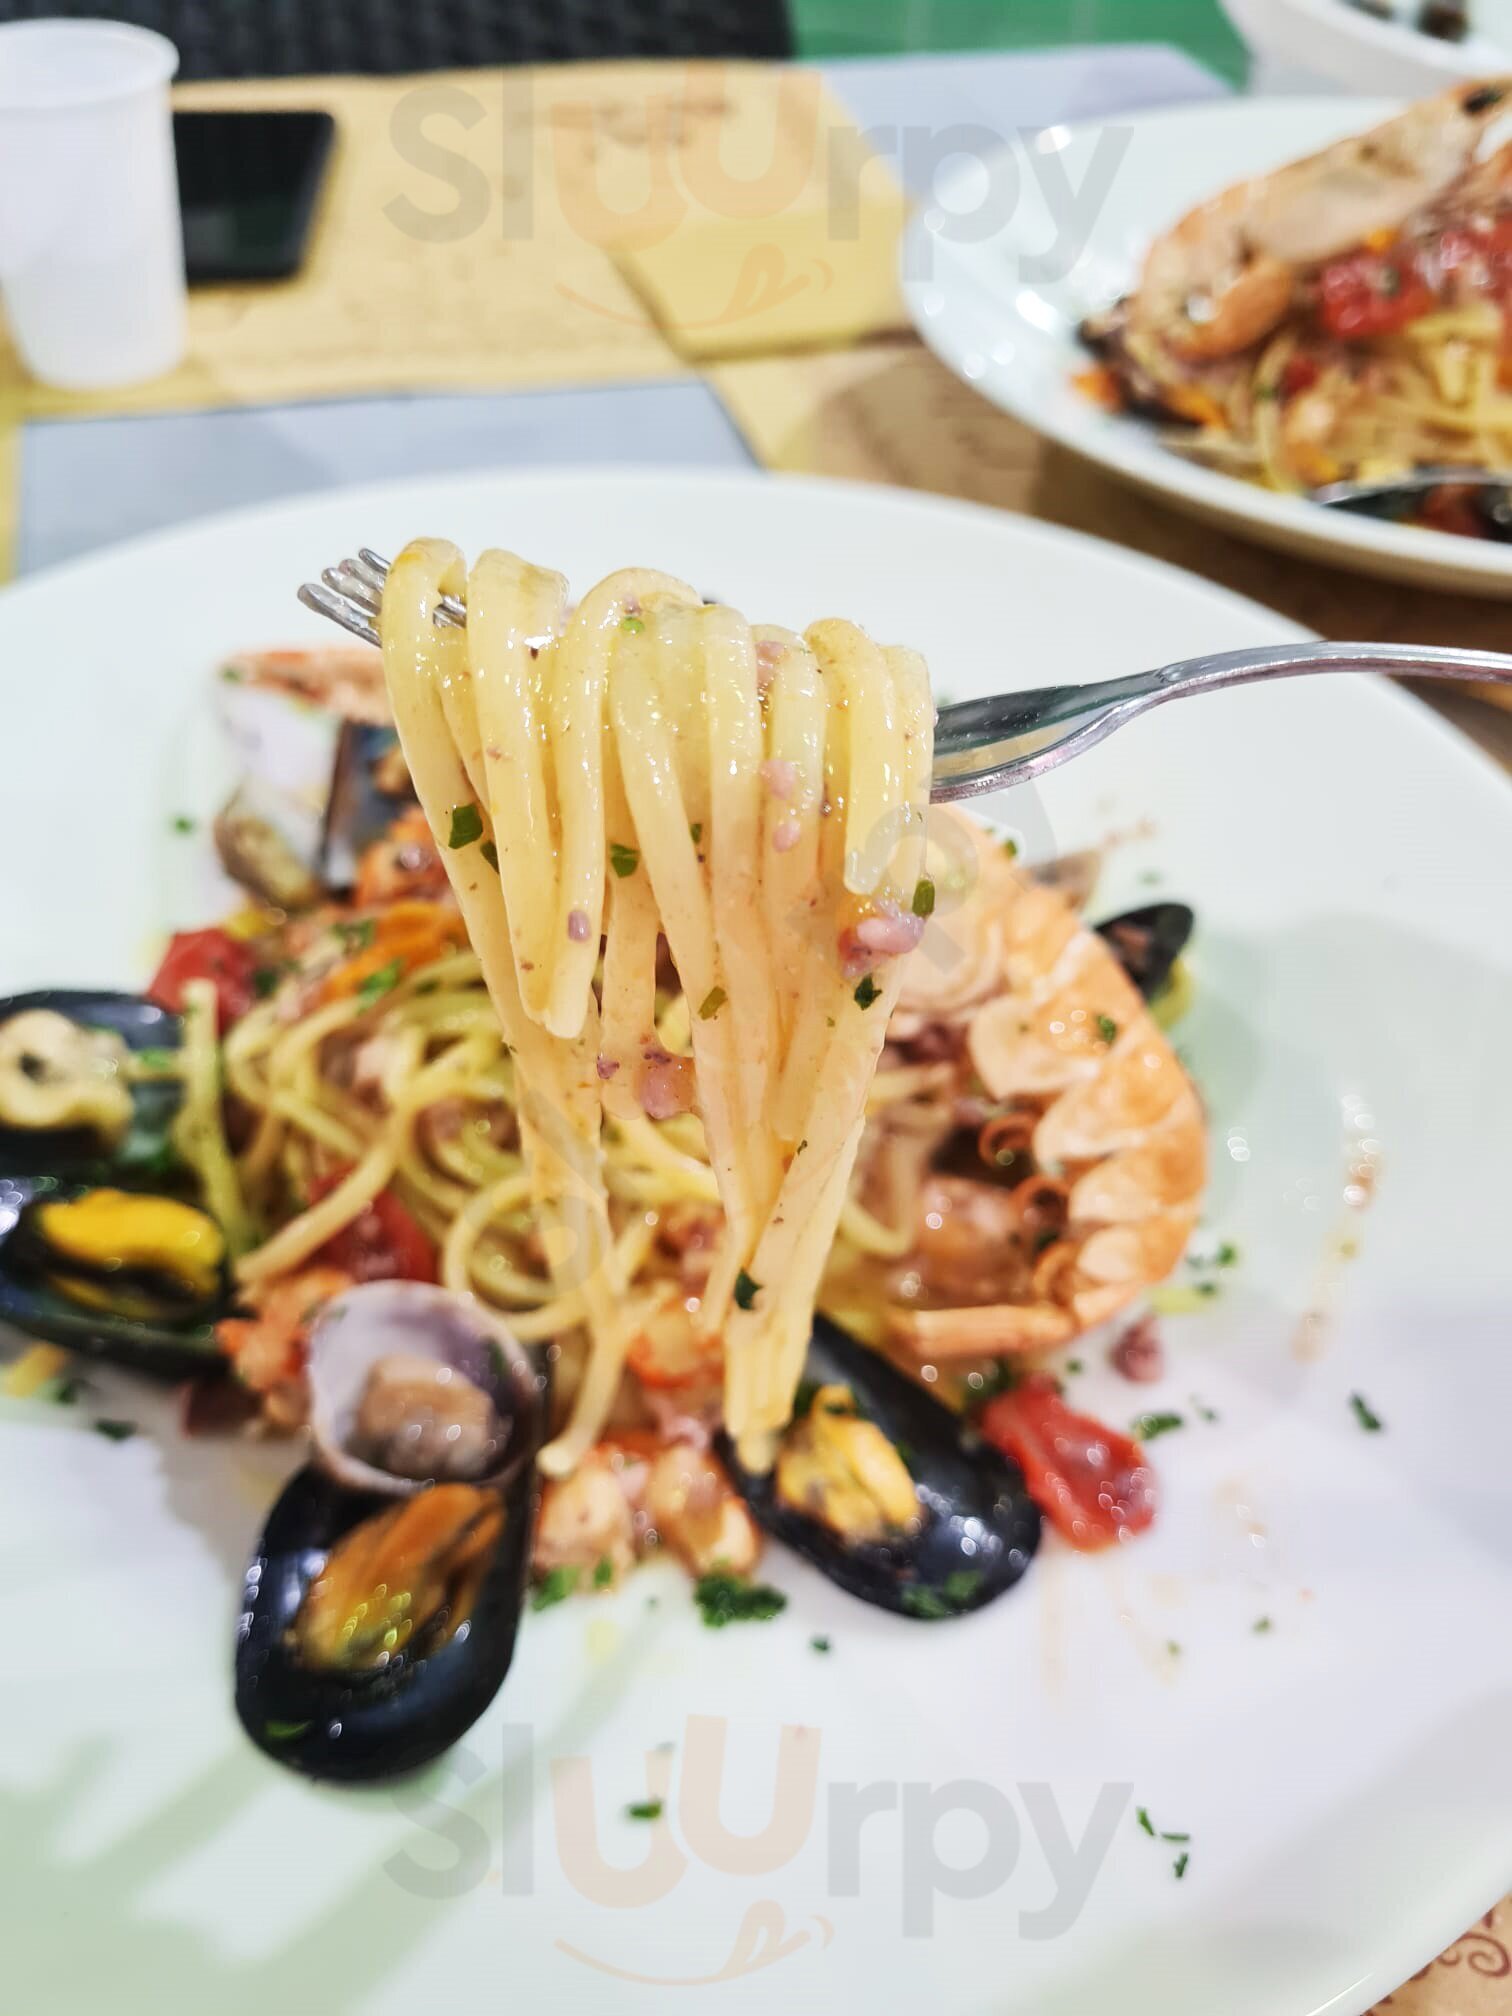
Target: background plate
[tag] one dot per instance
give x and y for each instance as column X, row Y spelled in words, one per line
column 1344, row 1776
column 972, row 290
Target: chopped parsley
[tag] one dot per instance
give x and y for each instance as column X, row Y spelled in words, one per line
column 961, row 1584
column 924, row 898
column 623, row 860
column 1204, row 1413
column 153, row 1059
column 711, row 1004
column 555, row 1586
column 1180, row 1864
column 182, row 823
column 1148, row 1426
column 603, row 1572
column 645, row 1809
column 803, row 1399
column 695, row 831
column 1107, row 1028
column 1207, row 1289
column 1075, row 1365
column 284, row 1732
column 116, row 1431
column 1227, row 1255
column 819, row 1644
column 1010, row 848
column 730, row 1599
column 746, row 1290
column 490, row 854
column 380, row 983
column 64, row 1392
column 1261, row 1625
column 1173, row 1648
column 1365, row 1414
column 1176, row 1837
column 921, row 1602
column 357, row 936
column 633, row 624
column 265, row 981
column 466, row 826
column 867, row 992
column 1142, row 1816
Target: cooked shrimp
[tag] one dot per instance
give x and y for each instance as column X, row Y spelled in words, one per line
column 693, row 1509
column 267, row 1347
column 1100, row 1104
column 588, row 1518
column 1225, row 276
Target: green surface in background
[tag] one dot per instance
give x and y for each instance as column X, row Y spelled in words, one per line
column 887, row 27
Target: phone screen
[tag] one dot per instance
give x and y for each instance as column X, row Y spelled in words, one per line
column 247, row 187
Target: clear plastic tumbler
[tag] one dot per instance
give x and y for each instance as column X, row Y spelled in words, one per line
column 91, row 245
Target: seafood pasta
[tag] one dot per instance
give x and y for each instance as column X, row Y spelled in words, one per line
column 647, row 767
column 1344, row 317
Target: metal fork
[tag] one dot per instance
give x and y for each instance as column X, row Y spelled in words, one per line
column 990, row 745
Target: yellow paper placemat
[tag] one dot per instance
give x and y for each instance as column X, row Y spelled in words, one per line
column 890, row 413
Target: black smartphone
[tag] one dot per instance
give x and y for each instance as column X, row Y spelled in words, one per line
column 247, row 187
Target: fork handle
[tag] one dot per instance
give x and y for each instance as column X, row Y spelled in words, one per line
column 979, row 744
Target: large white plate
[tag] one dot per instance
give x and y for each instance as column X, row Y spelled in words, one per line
column 1344, row 1777
column 975, row 294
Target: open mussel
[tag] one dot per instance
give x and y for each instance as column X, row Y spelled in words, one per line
column 887, row 1492
column 1149, row 941
column 381, row 1604
column 103, row 1244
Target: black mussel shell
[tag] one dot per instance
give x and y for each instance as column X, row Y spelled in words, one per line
column 362, row 1727
column 177, row 1343
column 1149, row 941
column 78, row 1151
column 370, row 788
column 980, row 1526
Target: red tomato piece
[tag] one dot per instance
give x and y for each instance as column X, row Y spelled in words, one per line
column 1300, row 375
column 1371, row 294
column 207, row 955
column 382, row 1243
column 1093, row 1484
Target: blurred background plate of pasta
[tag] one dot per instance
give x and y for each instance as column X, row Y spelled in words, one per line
column 1005, row 308
column 1330, row 1509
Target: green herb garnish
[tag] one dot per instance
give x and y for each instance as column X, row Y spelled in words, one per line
column 490, row 854
column 867, row 992
column 153, row 1059
column 357, row 936
column 1075, row 1365
column 116, row 1431
column 1227, row 1255
column 921, row 1602
column 1180, row 1864
column 711, row 1004
column 803, row 1399
column 645, row 1809
column 380, row 983
column 1173, row 1648
column 695, row 831
column 1145, row 1821
column 603, row 1572
column 961, row 1584
column 1365, row 1414
column 1262, row 1625
column 1107, row 1028
column 924, row 898
column 284, row 1732
column 819, row 1644
column 1148, row 1426
column 554, row 1587
column 1010, row 848
column 1176, row 1837
column 730, row 1599
column 746, row 1290
column 182, row 823
column 623, row 860
column 466, row 826
column 633, row 624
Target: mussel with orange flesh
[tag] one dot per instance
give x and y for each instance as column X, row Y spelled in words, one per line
column 887, row 1492
column 381, row 1604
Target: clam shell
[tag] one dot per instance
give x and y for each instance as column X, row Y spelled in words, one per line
column 380, row 1319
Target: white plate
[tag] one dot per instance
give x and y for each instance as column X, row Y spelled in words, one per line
column 1355, row 52
column 1344, row 1777
column 972, row 292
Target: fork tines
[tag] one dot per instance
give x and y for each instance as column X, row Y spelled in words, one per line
column 351, row 594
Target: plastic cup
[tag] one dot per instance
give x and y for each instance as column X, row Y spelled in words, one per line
column 91, row 246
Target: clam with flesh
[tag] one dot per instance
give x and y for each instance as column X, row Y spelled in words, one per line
column 380, row 1606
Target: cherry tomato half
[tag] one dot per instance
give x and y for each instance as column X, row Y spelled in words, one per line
column 1371, row 294
column 207, row 955
column 382, row 1243
column 1091, row 1483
